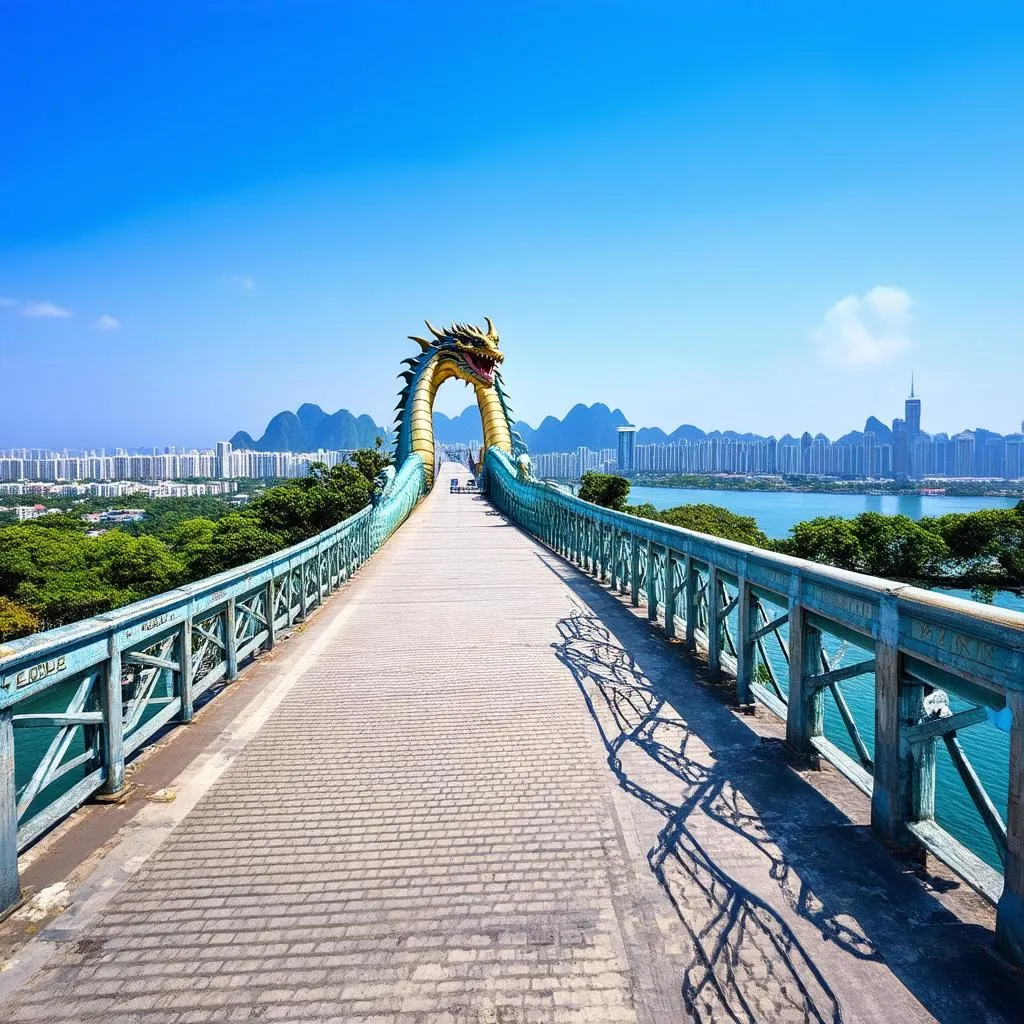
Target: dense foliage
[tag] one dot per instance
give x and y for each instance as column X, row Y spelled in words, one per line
column 51, row 573
column 880, row 545
column 605, row 489
column 710, row 519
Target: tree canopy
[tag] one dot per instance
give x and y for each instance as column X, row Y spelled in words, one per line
column 710, row 519
column 51, row 573
column 605, row 489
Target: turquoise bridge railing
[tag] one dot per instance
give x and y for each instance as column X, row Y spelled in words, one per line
column 119, row 678
column 793, row 634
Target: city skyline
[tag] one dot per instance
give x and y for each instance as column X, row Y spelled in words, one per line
column 902, row 451
column 778, row 214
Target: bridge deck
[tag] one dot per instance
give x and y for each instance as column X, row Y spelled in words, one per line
column 496, row 796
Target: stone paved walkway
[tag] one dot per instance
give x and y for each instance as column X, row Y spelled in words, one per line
column 497, row 797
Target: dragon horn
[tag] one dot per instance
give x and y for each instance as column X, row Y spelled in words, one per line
column 433, row 330
column 491, row 332
column 420, row 341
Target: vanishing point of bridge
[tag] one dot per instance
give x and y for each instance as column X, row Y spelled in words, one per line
column 482, row 785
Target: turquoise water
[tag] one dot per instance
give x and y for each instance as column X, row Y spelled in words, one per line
column 778, row 511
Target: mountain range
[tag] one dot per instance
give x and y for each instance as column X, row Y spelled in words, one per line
column 594, row 426
column 309, row 429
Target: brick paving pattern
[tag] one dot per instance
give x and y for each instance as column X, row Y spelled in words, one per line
column 480, row 808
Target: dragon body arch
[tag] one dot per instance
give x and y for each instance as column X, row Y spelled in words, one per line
column 467, row 353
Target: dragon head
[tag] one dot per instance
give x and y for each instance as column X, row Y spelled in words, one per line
column 473, row 352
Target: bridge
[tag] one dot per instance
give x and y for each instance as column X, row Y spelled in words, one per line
column 509, row 757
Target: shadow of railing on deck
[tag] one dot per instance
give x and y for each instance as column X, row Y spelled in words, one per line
column 747, row 965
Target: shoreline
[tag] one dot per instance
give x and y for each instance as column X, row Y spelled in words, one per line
column 743, row 486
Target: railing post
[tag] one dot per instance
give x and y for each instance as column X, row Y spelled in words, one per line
column 746, row 617
column 805, row 713
column 185, row 674
column 621, row 559
column 1010, row 912
column 289, row 613
column 892, row 797
column 714, row 623
column 690, row 601
column 271, row 606
column 669, row 583
column 230, row 640
column 652, row 584
column 634, row 570
column 113, row 721
column 10, row 884
column 613, row 559
column 303, row 588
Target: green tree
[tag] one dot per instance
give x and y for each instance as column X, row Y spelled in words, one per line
column 141, row 565
column 71, row 596
column 716, row 522
column 605, row 489
column 371, row 461
column 16, row 620
column 897, row 547
column 828, row 539
column 235, row 540
column 343, row 493
column 191, row 541
column 285, row 511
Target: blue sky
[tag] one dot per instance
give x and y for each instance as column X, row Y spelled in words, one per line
column 760, row 216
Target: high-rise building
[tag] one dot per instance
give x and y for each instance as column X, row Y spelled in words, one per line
column 964, row 454
column 900, row 449
column 912, row 412
column 917, row 453
column 223, row 459
column 627, row 443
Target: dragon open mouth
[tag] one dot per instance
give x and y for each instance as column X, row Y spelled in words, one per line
column 481, row 365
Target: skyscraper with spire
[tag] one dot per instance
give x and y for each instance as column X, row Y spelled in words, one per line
column 912, row 413
column 916, row 452
column 904, row 433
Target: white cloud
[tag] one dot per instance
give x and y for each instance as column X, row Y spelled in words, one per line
column 7, row 303
column 243, row 282
column 44, row 309
column 865, row 330
column 107, row 323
